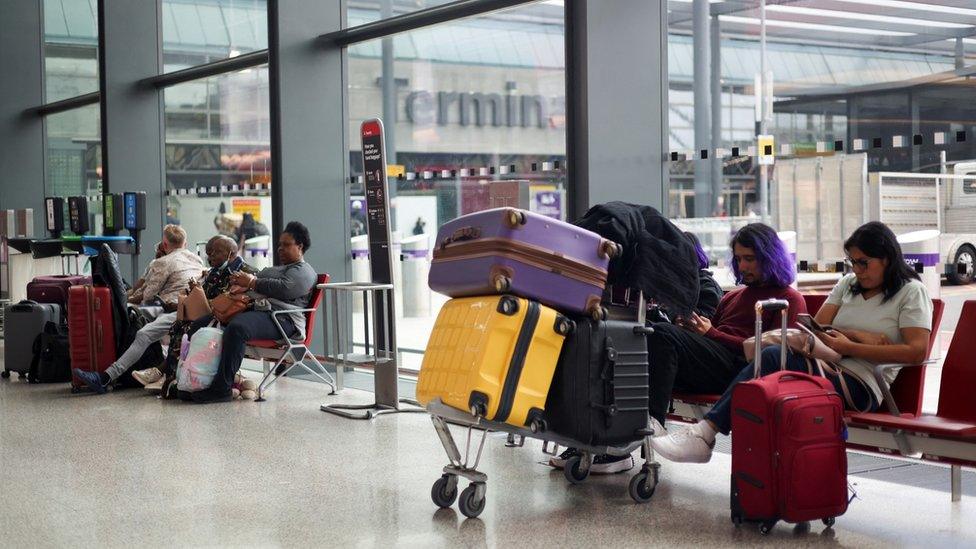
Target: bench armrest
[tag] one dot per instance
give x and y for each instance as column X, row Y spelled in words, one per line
column 274, row 318
column 879, row 371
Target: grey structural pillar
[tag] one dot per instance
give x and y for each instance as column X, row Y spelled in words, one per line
column 701, row 81
column 617, row 103
column 960, row 53
column 22, row 87
column 716, row 95
column 309, row 153
column 132, row 113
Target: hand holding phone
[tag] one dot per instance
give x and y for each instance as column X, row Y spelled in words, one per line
column 809, row 323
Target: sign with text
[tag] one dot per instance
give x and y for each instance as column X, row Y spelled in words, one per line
column 377, row 201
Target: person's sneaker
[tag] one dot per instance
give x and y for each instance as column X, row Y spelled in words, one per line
column 92, row 379
column 684, row 446
column 607, row 464
column 148, row 376
column 156, row 386
column 560, row 461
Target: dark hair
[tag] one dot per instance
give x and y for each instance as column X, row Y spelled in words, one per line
column 876, row 240
column 776, row 263
column 300, row 233
column 702, row 256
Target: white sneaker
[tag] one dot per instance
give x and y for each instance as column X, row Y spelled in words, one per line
column 147, row 376
column 684, row 446
column 156, row 386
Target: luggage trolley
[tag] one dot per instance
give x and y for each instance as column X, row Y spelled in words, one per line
column 471, row 500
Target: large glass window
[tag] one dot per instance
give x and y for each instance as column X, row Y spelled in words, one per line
column 218, row 159
column 852, row 88
column 478, row 122
column 70, row 48
column 74, row 159
column 196, row 32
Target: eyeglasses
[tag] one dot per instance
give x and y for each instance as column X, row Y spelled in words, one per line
column 858, row 264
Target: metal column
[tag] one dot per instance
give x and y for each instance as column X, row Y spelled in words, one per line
column 716, row 88
column 703, row 111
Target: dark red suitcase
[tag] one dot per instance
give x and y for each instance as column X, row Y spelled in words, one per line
column 54, row 289
column 789, row 460
column 91, row 333
column 507, row 250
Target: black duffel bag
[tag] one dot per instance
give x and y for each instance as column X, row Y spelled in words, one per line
column 51, row 362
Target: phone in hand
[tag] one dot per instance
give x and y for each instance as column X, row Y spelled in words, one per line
column 809, row 323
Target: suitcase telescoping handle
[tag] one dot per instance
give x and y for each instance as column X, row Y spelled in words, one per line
column 771, row 305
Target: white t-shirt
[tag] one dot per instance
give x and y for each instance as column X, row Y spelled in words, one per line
column 911, row 307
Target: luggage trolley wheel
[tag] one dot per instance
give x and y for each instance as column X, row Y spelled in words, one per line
column 469, row 503
column 572, row 471
column 444, row 491
column 643, row 484
column 5, row 374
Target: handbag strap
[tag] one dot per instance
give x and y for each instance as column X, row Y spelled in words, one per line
column 826, row 368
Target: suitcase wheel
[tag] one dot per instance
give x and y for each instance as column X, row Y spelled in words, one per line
column 508, row 305
column 642, row 486
column 828, row 522
column 599, row 314
column 516, row 218
column 573, row 472
column 766, row 527
column 470, row 504
column 610, row 249
column 502, row 283
column 444, row 491
column 564, row 326
column 5, row 374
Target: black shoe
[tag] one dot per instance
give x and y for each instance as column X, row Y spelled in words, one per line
column 607, row 464
column 207, row 396
column 560, row 461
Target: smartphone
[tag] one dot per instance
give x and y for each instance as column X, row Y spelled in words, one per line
column 808, row 322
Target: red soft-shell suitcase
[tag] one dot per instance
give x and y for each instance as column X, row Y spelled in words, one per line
column 54, row 289
column 507, row 250
column 789, row 461
column 91, row 333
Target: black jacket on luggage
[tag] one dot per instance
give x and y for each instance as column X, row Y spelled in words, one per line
column 658, row 258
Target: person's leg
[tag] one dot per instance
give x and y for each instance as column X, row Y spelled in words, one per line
column 662, row 354
column 146, row 336
column 201, row 322
column 694, row 444
column 242, row 328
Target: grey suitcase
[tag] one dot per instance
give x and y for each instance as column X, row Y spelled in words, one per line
column 23, row 322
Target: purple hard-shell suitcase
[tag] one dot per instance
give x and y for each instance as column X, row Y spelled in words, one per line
column 508, row 250
column 54, row 289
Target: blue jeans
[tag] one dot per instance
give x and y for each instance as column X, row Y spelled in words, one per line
column 721, row 413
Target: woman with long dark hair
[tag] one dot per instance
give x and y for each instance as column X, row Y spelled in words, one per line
column 880, row 313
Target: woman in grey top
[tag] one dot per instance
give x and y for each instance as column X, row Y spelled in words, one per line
column 283, row 287
column 881, row 313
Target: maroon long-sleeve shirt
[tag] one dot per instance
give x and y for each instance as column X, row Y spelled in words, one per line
column 735, row 318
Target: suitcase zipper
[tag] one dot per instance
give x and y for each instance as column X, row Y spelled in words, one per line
column 536, row 256
column 510, row 388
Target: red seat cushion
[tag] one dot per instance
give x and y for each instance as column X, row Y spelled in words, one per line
column 925, row 423
column 264, row 343
column 696, row 399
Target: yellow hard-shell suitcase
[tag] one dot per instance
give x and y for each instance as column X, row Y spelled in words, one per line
column 495, row 357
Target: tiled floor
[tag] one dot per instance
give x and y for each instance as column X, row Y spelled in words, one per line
column 128, row 470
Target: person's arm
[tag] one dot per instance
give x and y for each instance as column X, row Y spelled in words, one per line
column 730, row 341
column 155, row 279
column 911, row 351
column 292, row 284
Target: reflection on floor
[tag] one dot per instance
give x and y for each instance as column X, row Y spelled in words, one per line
column 127, row 469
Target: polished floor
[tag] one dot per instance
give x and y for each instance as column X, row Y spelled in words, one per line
column 126, row 469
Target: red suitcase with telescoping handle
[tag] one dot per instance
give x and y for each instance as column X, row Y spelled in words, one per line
column 91, row 332
column 789, row 460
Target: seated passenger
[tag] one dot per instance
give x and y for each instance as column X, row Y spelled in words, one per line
column 282, row 287
column 881, row 313
column 168, row 275
column 223, row 258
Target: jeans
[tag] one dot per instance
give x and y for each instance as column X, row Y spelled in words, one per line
column 721, row 413
column 683, row 360
column 241, row 329
column 146, row 336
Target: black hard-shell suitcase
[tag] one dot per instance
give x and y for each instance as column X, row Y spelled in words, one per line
column 598, row 395
column 23, row 322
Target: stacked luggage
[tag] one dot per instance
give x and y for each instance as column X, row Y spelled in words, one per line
column 26, row 321
column 527, row 347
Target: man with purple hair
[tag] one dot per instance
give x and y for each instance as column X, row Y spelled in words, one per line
column 698, row 355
